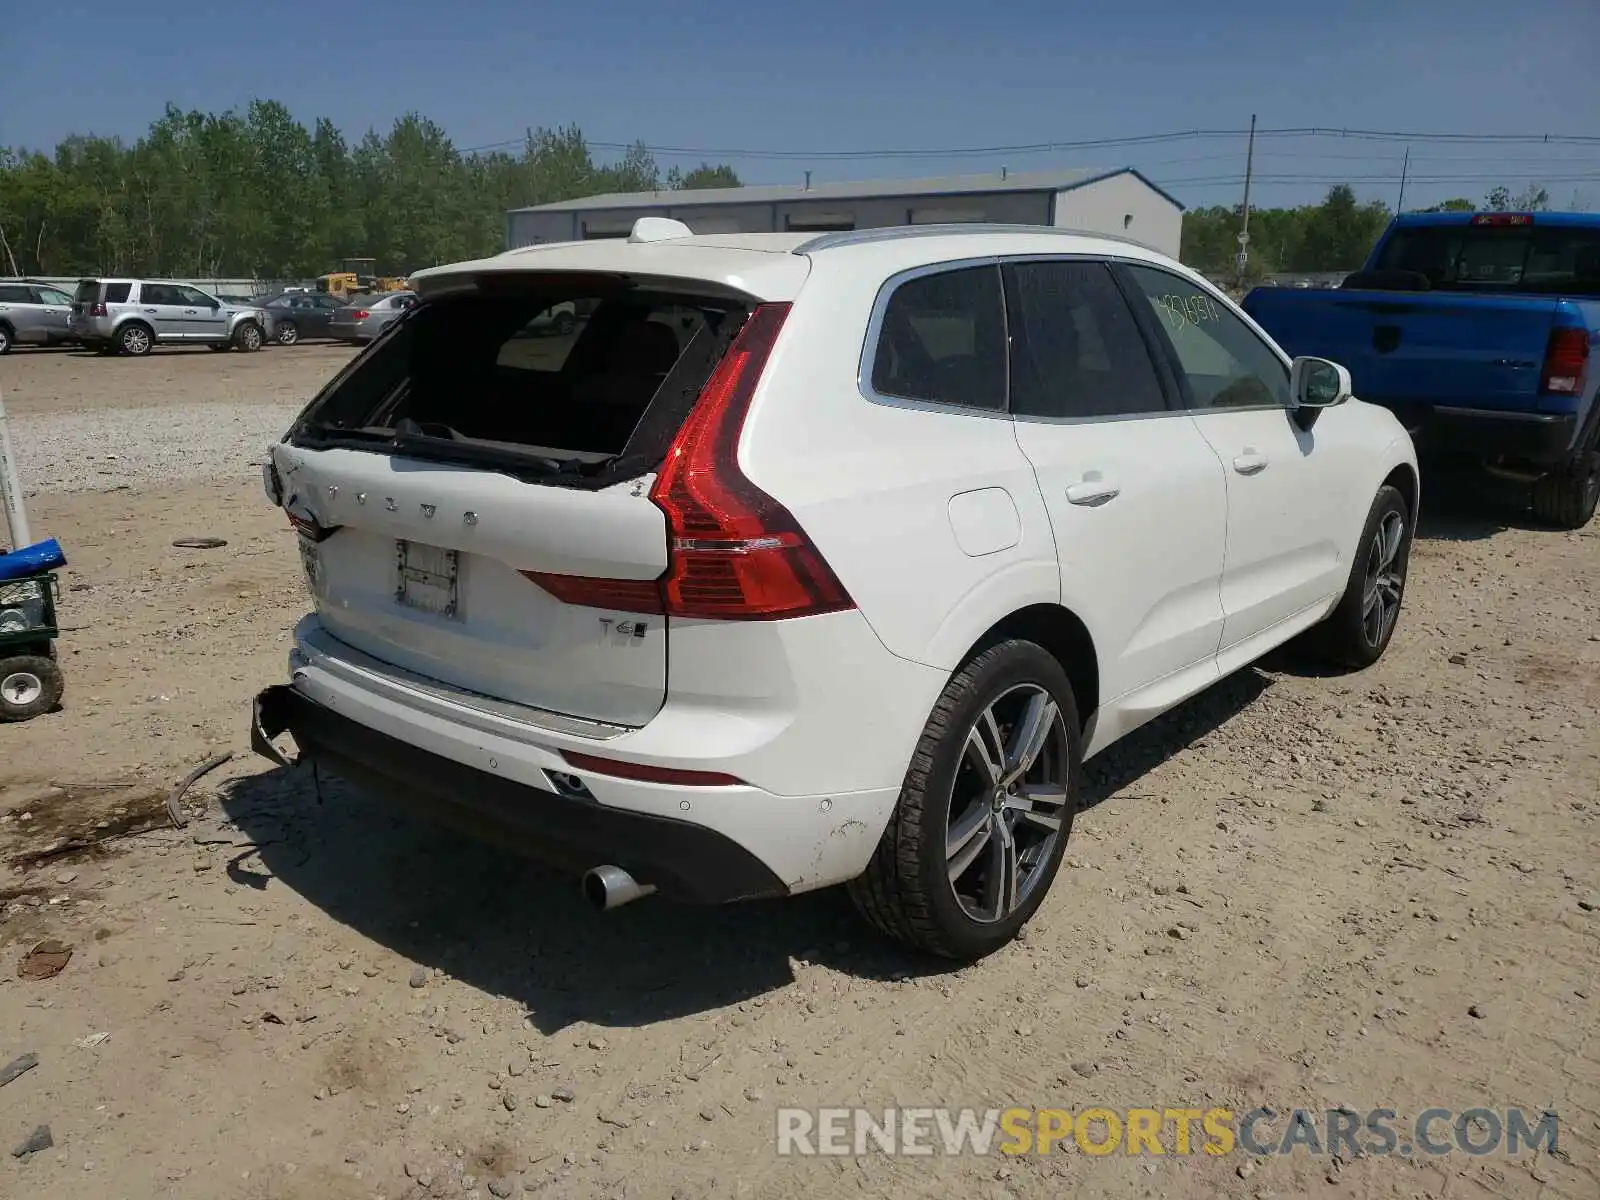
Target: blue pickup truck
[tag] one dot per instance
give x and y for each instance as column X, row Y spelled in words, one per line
column 1481, row 331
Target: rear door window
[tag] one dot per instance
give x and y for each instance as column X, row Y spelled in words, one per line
column 942, row 340
column 1076, row 350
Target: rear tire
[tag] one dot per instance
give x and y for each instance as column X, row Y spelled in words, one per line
column 967, row 859
column 248, row 337
column 135, row 339
column 1568, row 496
column 288, row 334
column 1358, row 631
column 29, row 685
column 6, row 339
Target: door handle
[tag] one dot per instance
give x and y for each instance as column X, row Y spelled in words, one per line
column 149, row 310
column 189, row 312
column 1250, row 463
column 1092, row 493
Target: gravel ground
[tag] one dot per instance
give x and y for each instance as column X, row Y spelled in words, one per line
column 84, row 423
column 1297, row 890
column 99, row 451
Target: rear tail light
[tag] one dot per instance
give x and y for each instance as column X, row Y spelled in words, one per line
column 360, row 314
column 1565, row 359
column 97, row 310
column 735, row 553
column 308, row 528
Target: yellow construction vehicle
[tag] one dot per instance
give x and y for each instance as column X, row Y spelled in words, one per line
column 359, row 277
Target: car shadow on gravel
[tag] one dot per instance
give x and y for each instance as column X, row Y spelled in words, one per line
column 1467, row 504
column 512, row 928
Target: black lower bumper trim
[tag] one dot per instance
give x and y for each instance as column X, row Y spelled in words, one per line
column 1489, row 434
column 684, row 861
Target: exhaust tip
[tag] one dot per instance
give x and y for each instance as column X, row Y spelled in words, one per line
column 611, row 887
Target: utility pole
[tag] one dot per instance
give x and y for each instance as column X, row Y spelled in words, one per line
column 1243, row 258
column 1400, row 204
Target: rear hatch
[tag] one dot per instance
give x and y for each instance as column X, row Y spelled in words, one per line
column 85, row 297
column 460, row 487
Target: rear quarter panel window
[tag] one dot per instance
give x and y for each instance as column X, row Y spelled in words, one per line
column 117, row 293
column 942, row 340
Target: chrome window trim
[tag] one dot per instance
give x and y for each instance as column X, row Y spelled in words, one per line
column 890, row 285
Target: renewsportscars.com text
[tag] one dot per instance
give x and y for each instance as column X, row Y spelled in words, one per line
column 854, row 1132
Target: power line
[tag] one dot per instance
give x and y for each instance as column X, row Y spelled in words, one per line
column 1306, row 131
column 1235, row 179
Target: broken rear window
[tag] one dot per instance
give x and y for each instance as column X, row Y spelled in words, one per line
column 541, row 371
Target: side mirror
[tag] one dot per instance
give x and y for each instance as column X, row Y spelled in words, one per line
column 1316, row 384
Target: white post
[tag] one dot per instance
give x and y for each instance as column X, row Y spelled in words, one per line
column 11, row 486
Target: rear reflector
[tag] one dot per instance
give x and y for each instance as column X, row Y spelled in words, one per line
column 620, row 595
column 648, row 774
column 734, row 552
column 1503, row 219
column 1566, row 359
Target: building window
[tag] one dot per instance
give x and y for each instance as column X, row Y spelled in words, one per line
column 820, row 223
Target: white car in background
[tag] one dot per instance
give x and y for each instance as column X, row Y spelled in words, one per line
column 815, row 560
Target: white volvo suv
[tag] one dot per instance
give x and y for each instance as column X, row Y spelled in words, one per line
column 813, row 560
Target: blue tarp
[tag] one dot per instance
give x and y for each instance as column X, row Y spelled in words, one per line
column 32, row 560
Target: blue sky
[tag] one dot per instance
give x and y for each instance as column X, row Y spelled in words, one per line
column 830, row 76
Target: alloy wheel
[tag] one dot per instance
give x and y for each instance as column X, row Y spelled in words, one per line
column 1007, row 803
column 1385, row 580
column 135, row 340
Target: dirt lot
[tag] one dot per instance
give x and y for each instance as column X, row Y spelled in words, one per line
column 1376, row 890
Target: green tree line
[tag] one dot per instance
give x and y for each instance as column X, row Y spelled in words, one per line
column 1334, row 235
column 258, row 194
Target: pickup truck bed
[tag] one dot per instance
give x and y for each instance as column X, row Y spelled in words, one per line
column 1482, row 333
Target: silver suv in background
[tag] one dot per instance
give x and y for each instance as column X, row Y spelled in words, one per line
column 131, row 316
column 33, row 314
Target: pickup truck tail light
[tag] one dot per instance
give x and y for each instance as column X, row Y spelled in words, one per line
column 1566, row 358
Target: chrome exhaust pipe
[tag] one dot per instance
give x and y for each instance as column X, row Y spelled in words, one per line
column 612, row 887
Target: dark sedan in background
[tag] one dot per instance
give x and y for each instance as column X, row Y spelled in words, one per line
column 297, row 316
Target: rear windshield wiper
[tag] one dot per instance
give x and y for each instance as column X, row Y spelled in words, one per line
column 440, row 443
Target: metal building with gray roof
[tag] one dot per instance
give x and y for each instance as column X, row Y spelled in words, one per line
column 1121, row 202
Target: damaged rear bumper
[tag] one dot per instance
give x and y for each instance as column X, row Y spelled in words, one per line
column 684, row 860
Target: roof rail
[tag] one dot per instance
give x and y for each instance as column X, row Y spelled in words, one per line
column 895, row 233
